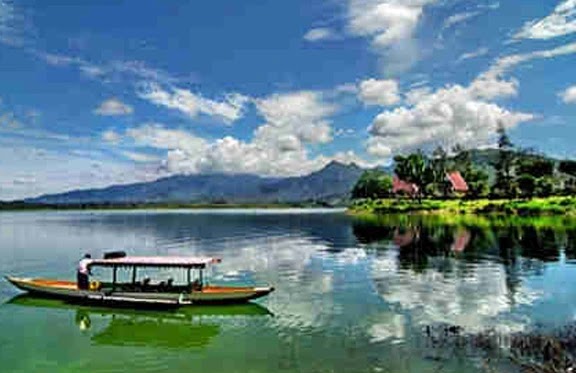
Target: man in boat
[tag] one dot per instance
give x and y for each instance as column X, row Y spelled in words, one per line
column 83, row 272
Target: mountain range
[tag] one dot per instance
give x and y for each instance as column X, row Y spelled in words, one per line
column 331, row 184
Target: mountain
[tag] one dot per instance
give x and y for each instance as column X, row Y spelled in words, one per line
column 331, row 184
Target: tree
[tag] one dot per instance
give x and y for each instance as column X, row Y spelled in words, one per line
column 477, row 180
column 568, row 167
column 527, row 185
column 372, row 184
column 439, row 166
column 545, row 186
column 504, row 185
column 414, row 169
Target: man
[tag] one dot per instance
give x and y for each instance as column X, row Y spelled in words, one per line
column 83, row 272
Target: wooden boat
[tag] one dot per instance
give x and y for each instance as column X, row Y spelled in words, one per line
column 144, row 293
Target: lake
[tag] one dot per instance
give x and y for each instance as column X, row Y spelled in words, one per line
column 352, row 295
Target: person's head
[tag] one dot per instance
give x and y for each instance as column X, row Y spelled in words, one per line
column 87, row 256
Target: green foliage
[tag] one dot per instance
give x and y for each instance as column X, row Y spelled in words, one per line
column 412, row 168
column 478, row 183
column 504, row 185
column 512, row 207
column 568, row 167
column 373, row 184
column 536, row 166
column 545, row 186
column 527, row 185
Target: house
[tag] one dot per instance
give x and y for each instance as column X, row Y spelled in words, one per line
column 403, row 187
column 456, row 182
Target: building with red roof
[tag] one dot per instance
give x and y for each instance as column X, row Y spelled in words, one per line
column 403, row 187
column 457, row 182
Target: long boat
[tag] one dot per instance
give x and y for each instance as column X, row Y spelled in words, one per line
column 144, row 293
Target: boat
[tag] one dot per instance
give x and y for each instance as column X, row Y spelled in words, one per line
column 136, row 293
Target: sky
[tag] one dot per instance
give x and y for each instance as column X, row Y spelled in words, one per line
column 108, row 92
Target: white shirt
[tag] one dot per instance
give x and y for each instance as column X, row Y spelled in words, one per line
column 83, row 266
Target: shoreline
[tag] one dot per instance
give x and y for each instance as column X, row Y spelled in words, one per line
column 9, row 206
column 550, row 206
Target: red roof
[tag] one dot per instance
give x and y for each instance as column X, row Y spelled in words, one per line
column 399, row 185
column 457, row 181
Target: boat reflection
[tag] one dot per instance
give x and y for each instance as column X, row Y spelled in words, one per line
column 190, row 327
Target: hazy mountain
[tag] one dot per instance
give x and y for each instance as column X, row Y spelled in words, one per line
column 333, row 183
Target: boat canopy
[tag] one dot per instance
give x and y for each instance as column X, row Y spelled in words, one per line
column 155, row 261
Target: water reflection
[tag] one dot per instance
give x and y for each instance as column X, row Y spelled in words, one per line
column 180, row 329
column 352, row 295
column 476, row 273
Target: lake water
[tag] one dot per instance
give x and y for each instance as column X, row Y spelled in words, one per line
column 351, row 295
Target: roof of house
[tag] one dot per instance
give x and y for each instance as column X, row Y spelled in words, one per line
column 457, row 181
column 155, row 261
column 399, row 185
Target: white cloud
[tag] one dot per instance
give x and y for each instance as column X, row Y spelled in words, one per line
column 140, row 157
column 111, row 136
column 111, row 71
column 447, row 116
column 430, row 298
column 230, row 109
column 113, row 107
column 279, row 147
column 561, row 22
column 504, row 64
column 59, row 171
column 385, row 21
column 157, row 136
column 459, row 18
column 320, row 33
column 482, row 51
column 379, row 92
column 417, row 94
column 455, row 114
column 10, row 24
column 569, row 95
column 390, row 25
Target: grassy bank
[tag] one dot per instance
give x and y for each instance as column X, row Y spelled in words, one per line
column 515, row 207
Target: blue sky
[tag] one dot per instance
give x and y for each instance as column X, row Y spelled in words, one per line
column 105, row 92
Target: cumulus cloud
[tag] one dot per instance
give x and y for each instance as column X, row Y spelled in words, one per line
column 279, row 146
column 379, row 92
column 320, row 33
column 561, row 22
column 447, row 116
column 385, row 21
column 157, row 136
column 230, row 109
column 113, row 107
column 569, row 95
column 455, row 114
column 390, row 25
column 417, row 94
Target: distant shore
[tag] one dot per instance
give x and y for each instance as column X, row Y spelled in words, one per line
column 510, row 207
column 22, row 206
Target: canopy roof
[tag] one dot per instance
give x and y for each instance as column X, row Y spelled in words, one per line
column 155, row 261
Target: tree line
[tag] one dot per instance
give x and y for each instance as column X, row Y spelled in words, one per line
column 514, row 173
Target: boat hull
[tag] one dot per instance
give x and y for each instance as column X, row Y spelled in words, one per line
column 68, row 290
